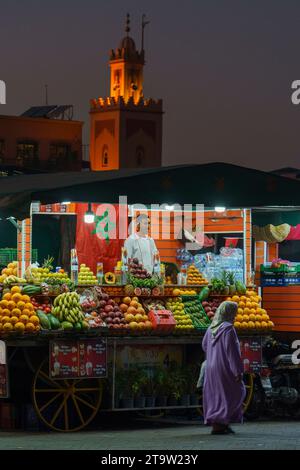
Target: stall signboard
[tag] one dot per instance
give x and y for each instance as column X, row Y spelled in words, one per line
column 149, row 356
column 251, row 353
column 38, row 208
column 4, row 389
column 78, row 359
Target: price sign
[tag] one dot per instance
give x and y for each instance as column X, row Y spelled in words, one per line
column 74, row 359
column 251, row 352
column 4, row 390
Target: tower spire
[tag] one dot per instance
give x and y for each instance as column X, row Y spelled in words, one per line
column 127, row 28
column 144, row 24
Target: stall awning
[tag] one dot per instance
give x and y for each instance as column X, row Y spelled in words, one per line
column 213, row 184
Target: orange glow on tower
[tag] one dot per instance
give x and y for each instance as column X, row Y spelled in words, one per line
column 126, row 129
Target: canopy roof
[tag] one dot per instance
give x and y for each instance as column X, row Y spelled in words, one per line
column 212, row 184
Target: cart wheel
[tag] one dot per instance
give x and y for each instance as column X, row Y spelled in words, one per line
column 65, row 405
column 249, row 384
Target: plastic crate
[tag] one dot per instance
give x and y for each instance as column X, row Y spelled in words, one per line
column 8, row 255
column 162, row 320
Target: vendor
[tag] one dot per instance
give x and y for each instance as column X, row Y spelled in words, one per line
column 139, row 245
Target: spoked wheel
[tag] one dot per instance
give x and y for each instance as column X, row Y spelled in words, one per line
column 65, row 405
column 249, row 384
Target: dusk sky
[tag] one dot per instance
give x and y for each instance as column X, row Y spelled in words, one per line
column 223, row 69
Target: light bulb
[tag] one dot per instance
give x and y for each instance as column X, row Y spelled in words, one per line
column 220, row 209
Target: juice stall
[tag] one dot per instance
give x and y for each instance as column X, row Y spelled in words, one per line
column 96, row 343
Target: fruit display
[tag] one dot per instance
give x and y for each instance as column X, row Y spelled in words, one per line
column 31, row 290
column 66, row 308
column 114, row 290
column 210, row 306
column 153, row 304
column 17, row 313
column 10, row 270
column 183, row 320
column 110, row 312
column 169, row 280
column 194, row 276
column 194, row 309
column 139, row 277
column 45, row 307
column 13, row 280
column 135, row 315
column 183, row 291
column 86, row 277
column 227, row 285
column 250, row 315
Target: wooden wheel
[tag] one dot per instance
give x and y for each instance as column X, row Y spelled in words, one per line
column 249, row 384
column 65, row 405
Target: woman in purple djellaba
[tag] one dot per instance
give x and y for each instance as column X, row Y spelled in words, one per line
column 223, row 390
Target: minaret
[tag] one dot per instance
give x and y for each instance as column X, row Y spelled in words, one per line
column 126, row 128
column 126, row 69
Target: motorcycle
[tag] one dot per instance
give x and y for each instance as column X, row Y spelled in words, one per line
column 277, row 387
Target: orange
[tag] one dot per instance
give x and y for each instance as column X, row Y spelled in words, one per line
column 16, row 312
column 245, row 318
column 265, row 317
column 242, row 304
column 5, row 320
column 253, row 311
column 29, row 306
column 240, row 311
column 19, row 327
column 14, row 320
column 27, row 312
column 129, row 317
column 25, row 298
column 7, row 327
column 243, row 298
column 251, row 324
column 6, row 312
column 34, row 320
column 258, row 311
column 16, row 297
column 11, row 305
column 264, row 324
column 257, row 324
column 6, row 296
column 252, row 317
column 4, row 303
column 235, row 298
column 244, row 325
column 247, row 311
column 24, row 318
column 258, row 318
column 239, row 318
column 270, row 324
column 134, row 304
column 237, row 324
column 37, row 328
column 248, row 304
column 254, row 305
column 21, row 305
column 263, row 311
column 127, row 300
column 133, row 325
column 29, row 327
column 15, row 290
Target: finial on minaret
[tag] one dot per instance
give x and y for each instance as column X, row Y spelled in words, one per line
column 144, row 24
column 127, row 29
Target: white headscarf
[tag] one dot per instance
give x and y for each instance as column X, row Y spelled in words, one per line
column 226, row 312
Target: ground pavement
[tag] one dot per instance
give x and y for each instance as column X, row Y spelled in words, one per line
column 157, row 436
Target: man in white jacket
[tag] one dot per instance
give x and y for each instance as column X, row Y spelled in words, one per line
column 139, row 245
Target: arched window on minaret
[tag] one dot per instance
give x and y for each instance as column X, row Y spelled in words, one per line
column 105, row 155
column 140, row 156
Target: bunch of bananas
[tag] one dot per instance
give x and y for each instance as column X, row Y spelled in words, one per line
column 66, row 307
column 13, row 280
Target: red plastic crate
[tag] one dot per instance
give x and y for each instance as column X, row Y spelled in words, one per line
column 162, row 320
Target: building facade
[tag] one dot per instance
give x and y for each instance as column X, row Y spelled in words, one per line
column 42, row 143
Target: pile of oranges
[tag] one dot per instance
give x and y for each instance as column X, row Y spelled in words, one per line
column 17, row 313
column 10, row 270
column 250, row 315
